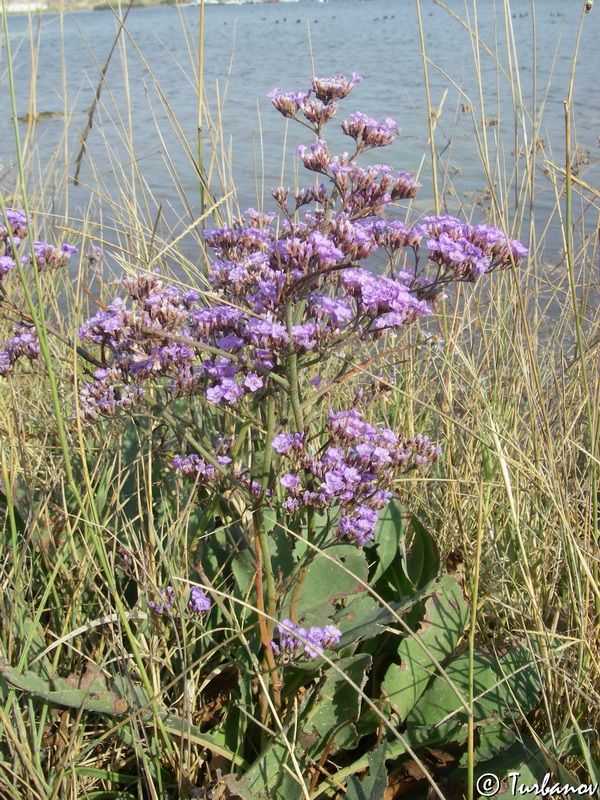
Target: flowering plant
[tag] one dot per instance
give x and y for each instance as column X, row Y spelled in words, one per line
column 304, row 497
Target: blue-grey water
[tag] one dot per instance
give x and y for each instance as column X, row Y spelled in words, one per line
column 249, row 49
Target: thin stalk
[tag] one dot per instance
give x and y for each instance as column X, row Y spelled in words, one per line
column 201, row 449
column 482, row 515
column 430, row 120
column 580, row 352
column 292, row 362
column 200, row 110
column 10, row 511
column 263, row 558
column 590, row 412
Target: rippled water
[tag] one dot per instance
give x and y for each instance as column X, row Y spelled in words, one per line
column 249, row 49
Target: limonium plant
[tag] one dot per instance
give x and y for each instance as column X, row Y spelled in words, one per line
column 14, row 232
column 305, row 490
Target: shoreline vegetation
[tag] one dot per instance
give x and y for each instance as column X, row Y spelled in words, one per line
column 35, row 6
column 313, row 512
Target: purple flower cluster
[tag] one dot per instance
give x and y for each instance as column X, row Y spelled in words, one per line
column 368, row 133
column 18, row 226
column 6, row 264
column 322, row 107
column 49, row 257
column 297, row 643
column 25, row 342
column 352, row 474
column 464, row 252
column 137, row 343
column 165, row 605
column 107, row 395
column 235, row 348
column 45, row 255
column 193, row 465
column 198, row 603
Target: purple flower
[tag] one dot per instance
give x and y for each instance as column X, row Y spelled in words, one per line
column 349, row 425
column 94, row 254
column 289, row 481
column 18, row 224
column 317, row 159
column 49, row 257
column 194, row 465
column 317, row 112
column 25, row 342
column 359, row 526
column 368, row 133
column 296, row 643
column 287, row 103
column 283, row 442
column 231, row 342
column 328, row 637
column 227, row 390
column 198, row 602
column 6, row 264
column 165, row 605
column 290, row 505
column 328, row 90
column 264, row 333
column 106, row 395
column 326, row 251
column 518, row 250
column 305, row 336
column 253, row 382
column 5, row 363
column 107, row 327
column 338, row 311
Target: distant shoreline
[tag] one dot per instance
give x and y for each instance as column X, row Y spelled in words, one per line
column 36, row 6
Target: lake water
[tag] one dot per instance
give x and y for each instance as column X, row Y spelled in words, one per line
column 249, row 49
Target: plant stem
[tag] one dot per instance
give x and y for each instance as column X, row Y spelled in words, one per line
column 292, row 362
column 263, row 559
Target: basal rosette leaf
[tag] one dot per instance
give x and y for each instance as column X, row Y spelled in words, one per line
column 389, row 538
column 329, row 579
column 374, row 786
column 319, row 723
column 506, row 686
column 439, row 632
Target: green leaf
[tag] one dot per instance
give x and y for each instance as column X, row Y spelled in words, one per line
column 243, row 567
column 440, row 629
column 268, row 778
column 338, row 702
column 96, row 697
column 324, row 710
column 520, row 757
column 328, row 580
column 494, row 737
column 390, row 534
column 423, row 561
column 364, row 617
column 373, row 787
column 505, row 686
column 281, row 547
